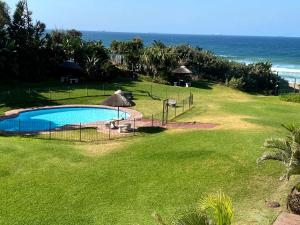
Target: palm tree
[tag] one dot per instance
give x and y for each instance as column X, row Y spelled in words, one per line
column 286, row 150
column 91, row 65
column 158, row 59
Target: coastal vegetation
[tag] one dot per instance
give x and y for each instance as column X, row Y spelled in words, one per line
column 29, row 53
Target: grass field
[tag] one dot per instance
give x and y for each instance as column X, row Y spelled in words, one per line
column 125, row 181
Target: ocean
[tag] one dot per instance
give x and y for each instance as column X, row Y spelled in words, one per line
column 282, row 52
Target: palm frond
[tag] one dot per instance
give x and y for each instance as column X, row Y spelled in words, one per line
column 277, row 143
column 158, row 219
column 277, row 156
column 192, row 218
column 285, row 150
column 219, row 207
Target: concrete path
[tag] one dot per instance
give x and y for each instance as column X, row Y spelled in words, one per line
column 287, row 219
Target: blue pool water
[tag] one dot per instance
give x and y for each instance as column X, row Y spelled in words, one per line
column 45, row 119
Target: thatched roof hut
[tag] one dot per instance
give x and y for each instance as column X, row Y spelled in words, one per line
column 70, row 65
column 118, row 99
column 182, row 70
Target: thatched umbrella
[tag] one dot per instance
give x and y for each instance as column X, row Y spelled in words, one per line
column 118, row 99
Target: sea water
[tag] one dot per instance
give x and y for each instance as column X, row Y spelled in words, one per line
column 282, row 52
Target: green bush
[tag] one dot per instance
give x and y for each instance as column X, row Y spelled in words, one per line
column 158, row 80
column 297, row 187
column 236, row 83
column 213, row 209
column 291, row 97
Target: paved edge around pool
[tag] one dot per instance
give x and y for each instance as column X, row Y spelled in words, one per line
column 14, row 113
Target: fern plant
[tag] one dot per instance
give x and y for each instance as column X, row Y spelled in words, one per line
column 286, row 150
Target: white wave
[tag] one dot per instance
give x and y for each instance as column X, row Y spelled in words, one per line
column 285, row 70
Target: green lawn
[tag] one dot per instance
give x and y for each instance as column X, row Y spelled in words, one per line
column 125, row 181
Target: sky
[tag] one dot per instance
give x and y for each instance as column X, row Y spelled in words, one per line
column 224, row 17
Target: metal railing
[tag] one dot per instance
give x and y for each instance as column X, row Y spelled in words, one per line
column 91, row 132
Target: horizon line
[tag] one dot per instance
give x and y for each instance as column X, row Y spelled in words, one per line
column 189, row 34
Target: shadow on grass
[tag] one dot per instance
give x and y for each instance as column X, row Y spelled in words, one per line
column 147, row 93
column 24, row 96
column 26, row 100
column 203, row 84
column 150, row 130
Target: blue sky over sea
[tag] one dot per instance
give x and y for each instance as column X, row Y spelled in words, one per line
column 227, row 17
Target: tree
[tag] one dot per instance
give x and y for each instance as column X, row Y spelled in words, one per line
column 28, row 41
column 92, row 66
column 4, row 15
column 285, row 150
column 5, row 43
column 159, row 60
column 22, row 30
column 130, row 50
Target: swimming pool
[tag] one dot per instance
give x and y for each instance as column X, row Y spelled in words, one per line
column 52, row 118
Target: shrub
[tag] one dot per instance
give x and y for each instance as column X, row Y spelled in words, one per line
column 218, row 207
column 236, row 83
column 285, row 150
column 297, row 187
column 158, row 80
column 192, row 218
column 214, row 209
column 291, row 97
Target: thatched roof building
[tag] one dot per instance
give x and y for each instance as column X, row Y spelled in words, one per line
column 70, row 65
column 118, row 99
column 182, row 70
